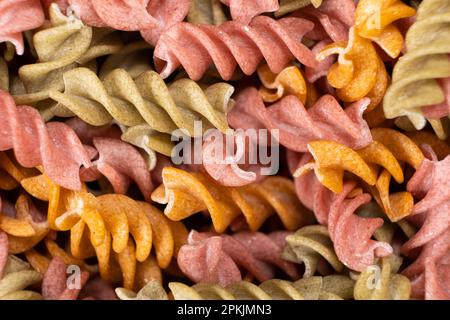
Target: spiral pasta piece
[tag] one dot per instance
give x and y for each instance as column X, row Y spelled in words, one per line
column 117, row 161
column 65, row 44
column 121, row 164
column 101, row 226
column 316, row 288
column 16, row 275
column 244, row 10
column 332, row 19
column 24, row 224
column 144, row 104
column 218, row 257
column 54, row 282
column 54, row 145
column 134, row 59
column 309, row 245
column 389, row 147
column 188, row 193
column 17, row 17
column 297, row 126
column 150, row 17
column 231, row 44
column 42, row 262
column 429, row 271
column 420, row 78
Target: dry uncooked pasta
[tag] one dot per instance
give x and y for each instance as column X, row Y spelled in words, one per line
column 309, row 245
column 224, row 150
column 256, row 203
column 424, row 95
column 317, row 288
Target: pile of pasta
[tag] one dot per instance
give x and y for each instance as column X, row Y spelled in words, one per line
column 94, row 206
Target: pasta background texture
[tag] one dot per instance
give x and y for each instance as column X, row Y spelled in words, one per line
column 224, row 149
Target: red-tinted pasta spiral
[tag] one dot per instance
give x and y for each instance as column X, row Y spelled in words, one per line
column 54, row 145
column 297, row 126
column 150, row 17
column 431, row 183
column 244, row 10
column 197, row 47
column 216, row 258
column 332, row 19
column 429, row 273
column 17, row 16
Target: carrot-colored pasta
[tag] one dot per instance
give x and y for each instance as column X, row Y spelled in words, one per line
column 188, row 193
column 389, row 147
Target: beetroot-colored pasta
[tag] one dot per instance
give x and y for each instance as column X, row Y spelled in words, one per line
column 216, row 258
column 351, row 234
column 297, row 126
column 58, row 149
column 121, row 164
column 17, row 16
column 429, row 273
column 431, row 183
column 55, row 284
column 54, row 145
column 232, row 44
column 118, row 161
column 332, row 19
column 245, row 10
column 151, row 17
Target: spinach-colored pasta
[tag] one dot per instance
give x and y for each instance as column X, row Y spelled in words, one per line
column 309, row 245
column 420, row 80
column 146, row 102
column 63, row 45
column 332, row 287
